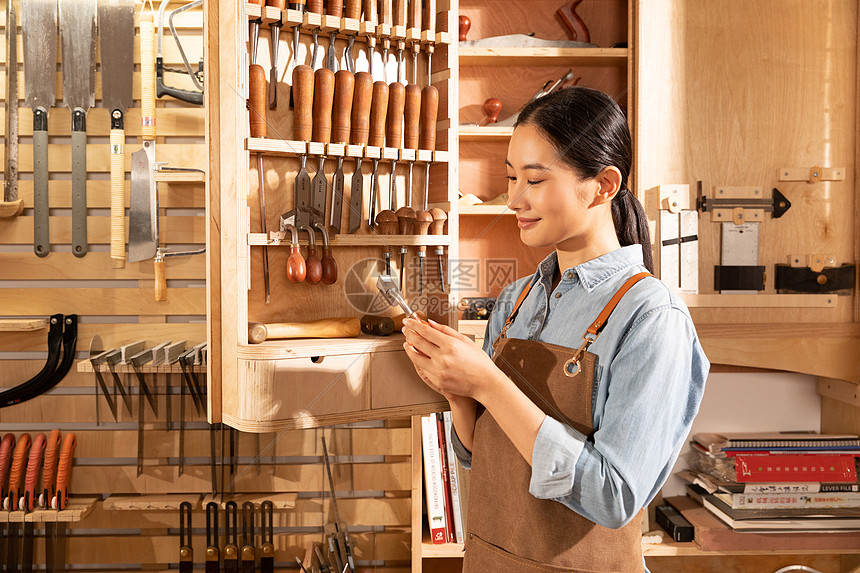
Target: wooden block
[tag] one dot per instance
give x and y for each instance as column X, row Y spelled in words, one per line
column 22, row 324
column 151, row 502
column 123, row 301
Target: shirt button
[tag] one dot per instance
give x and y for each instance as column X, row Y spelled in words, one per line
column 558, row 295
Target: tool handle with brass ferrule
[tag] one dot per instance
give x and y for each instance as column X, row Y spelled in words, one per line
column 353, row 9
column 429, row 111
column 361, row 100
column 147, row 77
column 19, row 467
column 303, row 99
column 34, row 464
column 64, row 471
column 415, row 14
column 394, row 118
column 117, row 190
column 378, row 113
column 49, row 467
column 346, row 327
column 323, row 101
column 344, row 90
column 411, row 116
column 334, row 8
column 257, row 103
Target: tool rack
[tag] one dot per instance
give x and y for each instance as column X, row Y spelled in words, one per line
column 313, row 382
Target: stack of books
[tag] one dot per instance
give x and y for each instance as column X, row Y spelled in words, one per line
column 777, row 482
column 445, row 481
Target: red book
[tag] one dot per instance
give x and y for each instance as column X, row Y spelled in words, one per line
column 839, row 468
column 449, row 507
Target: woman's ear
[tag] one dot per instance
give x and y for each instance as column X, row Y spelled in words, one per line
column 609, row 180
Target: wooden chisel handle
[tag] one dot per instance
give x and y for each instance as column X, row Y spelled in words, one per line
column 334, row 8
column 315, row 6
column 6, row 448
column 147, row 77
column 400, row 16
column 378, row 112
column 19, row 466
column 323, row 100
column 329, row 267
column 353, row 9
column 160, row 278
column 370, row 14
column 303, row 99
column 385, row 15
column 49, row 467
column 411, row 116
column 415, row 14
column 64, row 471
column 360, row 120
column 325, row 328
column 394, row 119
column 257, row 100
column 279, row 4
column 429, row 111
column 344, row 90
column 34, row 464
column 430, row 15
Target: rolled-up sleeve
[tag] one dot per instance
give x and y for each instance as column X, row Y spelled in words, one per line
column 655, row 383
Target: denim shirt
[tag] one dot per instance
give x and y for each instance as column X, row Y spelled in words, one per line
column 649, row 381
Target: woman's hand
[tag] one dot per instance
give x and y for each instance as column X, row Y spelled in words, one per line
column 449, row 362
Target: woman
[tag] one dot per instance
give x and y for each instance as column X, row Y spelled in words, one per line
column 571, row 419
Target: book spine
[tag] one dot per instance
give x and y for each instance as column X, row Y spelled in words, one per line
column 454, row 479
column 433, row 479
column 777, row 468
column 446, row 480
column 788, row 501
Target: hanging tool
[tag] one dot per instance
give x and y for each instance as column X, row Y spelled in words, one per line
column 322, row 109
column 387, row 224
column 257, row 115
column 437, row 228
column 384, row 29
column 231, row 534
column 313, row 263
column 340, row 528
column 296, row 267
column 315, row 7
column 10, row 141
column 7, row 446
column 116, row 31
column 39, row 33
column 143, row 391
column 430, row 31
column 421, row 227
column 415, row 23
column 344, row 89
column 360, row 132
column 61, row 500
column 303, row 89
column 275, row 40
column 388, row 289
column 400, row 20
column 189, row 96
column 17, row 476
column 370, row 16
column 329, row 265
column 386, row 221
column 427, row 140
column 212, row 551
column 248, row 553
column 112, row 359
column 352, row 11
column 267, row 537
column 169, row 355
column 49, row 490
column 345, row 327
column 186, row 552
column 254, row 30
column 300, row 7
column 77, row 35
column 406, row 214
column 334, row 8
column 324, row 567
column 378, row 113
column 28, row 501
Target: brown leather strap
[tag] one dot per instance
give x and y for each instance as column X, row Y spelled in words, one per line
column 513, row 315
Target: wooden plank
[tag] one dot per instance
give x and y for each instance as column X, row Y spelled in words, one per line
column 171, row 121
column 96, row 266
column 98, row 157
column 159, row 502
column 113, row 301
column 112, row 335
column 170, row 195
column 172, row 230
column 22, row 324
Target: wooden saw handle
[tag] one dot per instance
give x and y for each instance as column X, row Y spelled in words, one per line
column 411, row 115
column 64, row 471
column 257, row 102
column 34, row 464
column 429, row 110
column 394, row 119
column 378, row 111
column 325, row 328
column 303, row 100
column 323, row 101
column 344, row 91
column 49, row 467
column 19, row 466
column 117, row 197
column 6, row 448
column 147, row 77
column 361, row 99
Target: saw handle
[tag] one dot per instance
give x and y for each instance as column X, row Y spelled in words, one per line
column 322, row 106
column 344, row 90
column 64, row 471
column 411, row 116
column 19, row 466
column 257, row 100
column 576, row 28
column 6, row 448
column 325, row 328
column 429, row 110
column 360, row 119
column 353, row 9
column 160, row 279
column 394, row 119
column 303, row 99
column 378, row 112
column 117, row 190
column 37, row 453
column 49, row 467
column 147, row 77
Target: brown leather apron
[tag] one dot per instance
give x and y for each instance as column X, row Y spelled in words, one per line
column 510, row 530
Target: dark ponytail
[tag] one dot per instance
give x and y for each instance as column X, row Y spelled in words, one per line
column 590, row 132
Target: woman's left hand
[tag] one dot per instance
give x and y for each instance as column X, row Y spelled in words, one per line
column 447, row 361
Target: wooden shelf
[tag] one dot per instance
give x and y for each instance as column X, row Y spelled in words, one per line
column 179, row 177
column 151, row 502
column 485, row 133
column 279, row 500
column 760, row 300
column 258, row 239
column 442, row 550
column 292, row 148
column 22, row 324
column 543, row 56
column 313, row 347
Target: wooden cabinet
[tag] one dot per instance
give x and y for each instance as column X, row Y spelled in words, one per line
column 305, row 383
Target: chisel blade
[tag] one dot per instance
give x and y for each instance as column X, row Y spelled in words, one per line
column 337, row 198
column 356, row 198
column 318, row 187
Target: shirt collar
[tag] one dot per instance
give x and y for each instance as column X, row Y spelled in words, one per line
column 594, row 272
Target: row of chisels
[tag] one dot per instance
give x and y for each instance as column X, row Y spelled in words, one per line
column 35, row 473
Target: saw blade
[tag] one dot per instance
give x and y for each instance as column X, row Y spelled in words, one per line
column 143, row 207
